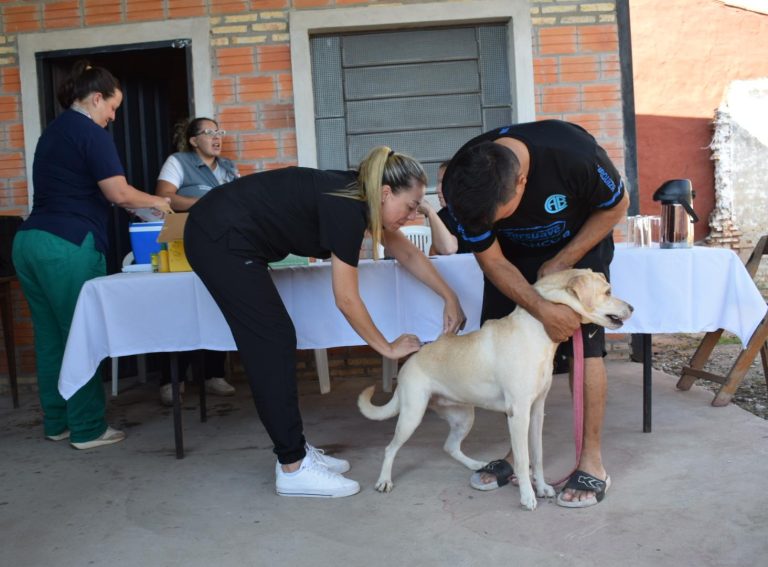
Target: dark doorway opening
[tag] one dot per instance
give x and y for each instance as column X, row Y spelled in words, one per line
column 156, row 81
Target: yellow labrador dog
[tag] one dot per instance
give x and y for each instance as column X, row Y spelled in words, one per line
column 505, row 366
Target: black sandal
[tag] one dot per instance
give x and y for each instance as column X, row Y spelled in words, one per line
column 501, row 469
column 580, row 480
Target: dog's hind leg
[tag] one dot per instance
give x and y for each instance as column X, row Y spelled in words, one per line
column 519, row 420
column 534, row 442
column 413, row 404
column 460, row 417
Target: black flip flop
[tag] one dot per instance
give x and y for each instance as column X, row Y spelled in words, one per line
column 580, row 480
column 501, row 469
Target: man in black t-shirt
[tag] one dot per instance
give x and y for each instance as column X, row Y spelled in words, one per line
column 530, row 200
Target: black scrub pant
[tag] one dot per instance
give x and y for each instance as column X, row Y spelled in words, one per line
column 497, row 305
column 263, row 331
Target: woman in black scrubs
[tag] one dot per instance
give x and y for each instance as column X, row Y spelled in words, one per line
column 234, row 232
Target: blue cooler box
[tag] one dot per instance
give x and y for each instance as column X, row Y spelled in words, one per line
column 144, row 240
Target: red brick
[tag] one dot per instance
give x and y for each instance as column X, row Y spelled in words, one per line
column 15, row 136
column 601, row 97
column 61, row 15
column 269, row 166
column 223, row 90
column 21, row 19
column 560, row 99
column 610, row 67
column 228, row 6
column 277, row 116
column 545, row 70
column 97, row 12
column 268, row 4
column 185, row 8
column 341, row 2
column 237, row 119
column 251, row 89
column 558, row 41
column 9, row 80
column 274, row 58
column 9, row 108
column 258, row 146
column 235, row 60
column 596, row 39
column 11, row 164
column 298, row 4
column 246, row 168
column 142, row 10
column 579, row 69
column 285, row 86
column 289, row 143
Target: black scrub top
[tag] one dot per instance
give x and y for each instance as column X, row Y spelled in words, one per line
column 286, row 211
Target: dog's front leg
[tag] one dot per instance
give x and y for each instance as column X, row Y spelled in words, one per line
column 518, row 422
column 534, row 442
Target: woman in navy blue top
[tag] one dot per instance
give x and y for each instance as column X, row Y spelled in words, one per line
column 77, row 176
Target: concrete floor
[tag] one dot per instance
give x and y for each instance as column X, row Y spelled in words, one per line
column 690, row 493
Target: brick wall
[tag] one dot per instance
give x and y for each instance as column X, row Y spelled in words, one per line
column 576, row 69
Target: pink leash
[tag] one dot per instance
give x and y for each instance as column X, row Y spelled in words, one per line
column 578, row 399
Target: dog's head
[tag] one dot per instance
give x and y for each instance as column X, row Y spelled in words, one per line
column 588, row 293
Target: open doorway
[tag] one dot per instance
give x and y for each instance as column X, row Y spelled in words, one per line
column 156, row 82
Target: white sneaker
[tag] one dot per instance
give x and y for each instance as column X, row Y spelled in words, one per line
column 110, row 436
column 331, row 463
column 166, row 394
column 60, row 437
column 313, row 479
column 219, row 387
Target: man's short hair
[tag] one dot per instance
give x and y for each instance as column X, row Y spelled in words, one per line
column 478, row 180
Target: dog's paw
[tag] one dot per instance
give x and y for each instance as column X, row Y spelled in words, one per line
column 384, row 485
column 545, row 491
column 528, row 498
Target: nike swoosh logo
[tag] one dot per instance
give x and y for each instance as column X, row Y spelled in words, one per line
column 592, row 334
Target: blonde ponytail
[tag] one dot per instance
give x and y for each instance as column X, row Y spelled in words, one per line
column 383, row 166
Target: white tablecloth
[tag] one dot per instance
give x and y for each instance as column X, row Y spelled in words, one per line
column 686, row 291
column 689, row 290
column 136, row 313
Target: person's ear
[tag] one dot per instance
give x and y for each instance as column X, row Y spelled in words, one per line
column 386, row 192
column 521, row 181
column 96, row 98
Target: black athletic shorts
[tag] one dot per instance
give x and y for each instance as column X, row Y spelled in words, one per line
column 497, row 305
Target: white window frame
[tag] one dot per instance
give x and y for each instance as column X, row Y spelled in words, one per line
column 197, row 29
column 305, row 23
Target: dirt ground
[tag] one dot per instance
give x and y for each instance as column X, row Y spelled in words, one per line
column 672, row 352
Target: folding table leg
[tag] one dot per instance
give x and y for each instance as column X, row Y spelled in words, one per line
column 699, row 359
column 743, row 362
column 177, row 432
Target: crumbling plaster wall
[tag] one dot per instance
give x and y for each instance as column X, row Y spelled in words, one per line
column 740, row 152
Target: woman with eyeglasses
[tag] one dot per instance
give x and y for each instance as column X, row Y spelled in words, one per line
column 197, row 167
column 235, row 231
column 186, row 176
column 78, row 177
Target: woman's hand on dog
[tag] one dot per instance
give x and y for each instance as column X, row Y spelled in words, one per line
column 403, row 346
column 559, row 321
column 454, row 318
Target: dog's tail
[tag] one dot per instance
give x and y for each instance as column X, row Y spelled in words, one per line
column 378, row 413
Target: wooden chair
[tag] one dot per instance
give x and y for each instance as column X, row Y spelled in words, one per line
column 757, row 343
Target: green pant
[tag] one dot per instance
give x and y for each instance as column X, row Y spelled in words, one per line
column 52, row 271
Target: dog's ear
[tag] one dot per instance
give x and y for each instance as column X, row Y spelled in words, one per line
column 581, row 287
